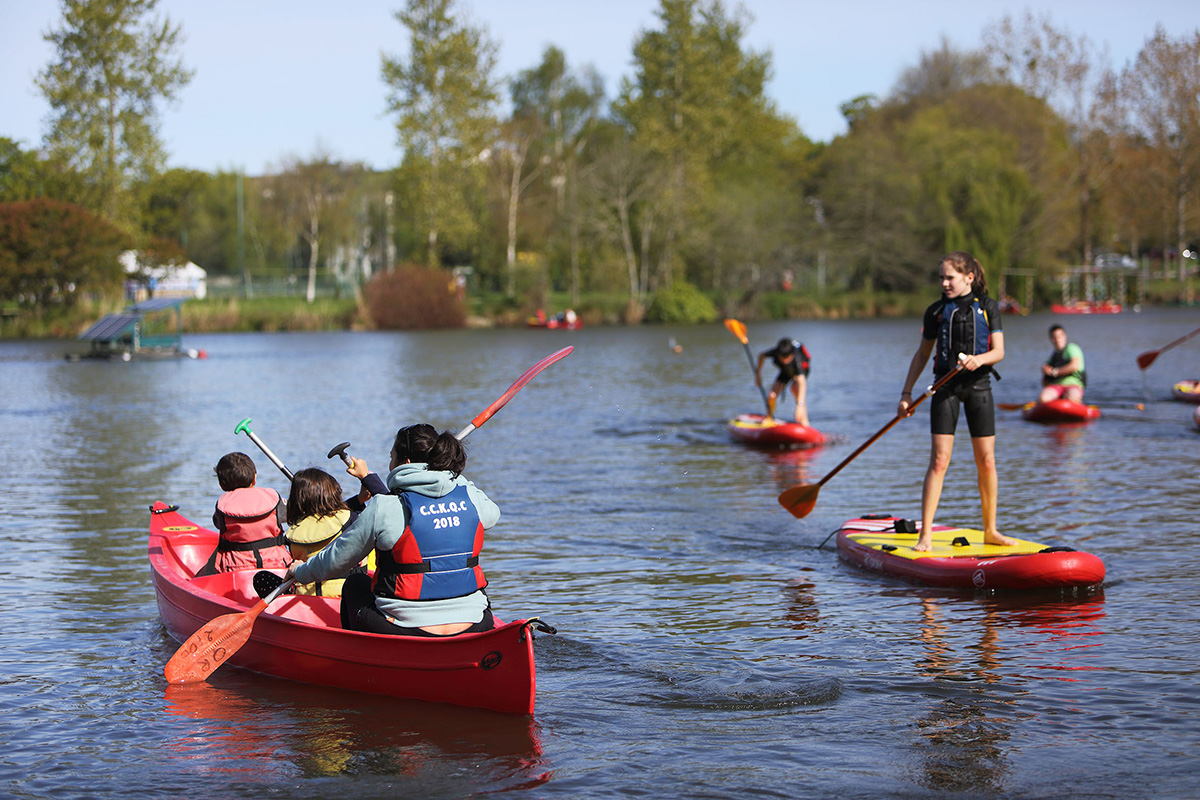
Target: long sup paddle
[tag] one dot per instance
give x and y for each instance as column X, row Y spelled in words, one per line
column 1147, row 358
column 802, row 498
column 739, row 330
column 215, row 642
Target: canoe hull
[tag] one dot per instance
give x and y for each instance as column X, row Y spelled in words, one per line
column 1060, row 412
column 1086, row 307
column 300, row 638
column 756, row 429
column 1030, row 566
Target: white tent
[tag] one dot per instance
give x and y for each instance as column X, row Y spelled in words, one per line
column 169, row 280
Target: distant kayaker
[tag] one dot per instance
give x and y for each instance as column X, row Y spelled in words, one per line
column 1062, row 374
column 791, row 358
column 249, row 519
column 964, row 326
column 426, row 534
column 316, row 515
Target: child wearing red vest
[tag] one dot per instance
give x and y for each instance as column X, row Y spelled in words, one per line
column 249, row 519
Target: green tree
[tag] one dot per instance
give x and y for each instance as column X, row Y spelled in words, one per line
column 442, row 96
column 115, row 64
column 1161, row 90
column 53, row 253
column 695, row 99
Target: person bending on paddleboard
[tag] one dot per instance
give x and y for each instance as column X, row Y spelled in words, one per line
column 1062, row 374
column 317, row 514
column 426, row 535
column 248, row 518
column 791, row 358
column 963, row 326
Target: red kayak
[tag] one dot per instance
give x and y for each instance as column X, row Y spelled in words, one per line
column 759, row 430
column 960, row 559
column 1086, row 307
column 301, row 638
column 1059, row 412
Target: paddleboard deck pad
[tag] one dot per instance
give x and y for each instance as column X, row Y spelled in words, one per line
column 960, row 559
column 760, row 430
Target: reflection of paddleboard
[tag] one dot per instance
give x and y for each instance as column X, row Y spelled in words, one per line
column 1060, row 411
column 757, row 429
column 960, row 559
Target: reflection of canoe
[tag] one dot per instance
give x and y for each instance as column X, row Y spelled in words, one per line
column 960, row 559
column 1187, row 391
column 757, row 429
column 301, row 638
column 1087, row 307
column 1060, row 411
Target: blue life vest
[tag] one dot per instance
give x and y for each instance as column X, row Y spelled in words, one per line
column 437, row 556
column 979, row 340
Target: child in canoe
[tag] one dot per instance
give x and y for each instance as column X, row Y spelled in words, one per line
column 426, row 534
column 317, row 514
column 249, row 519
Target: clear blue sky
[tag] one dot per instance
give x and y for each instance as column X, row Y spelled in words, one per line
column 275, row 78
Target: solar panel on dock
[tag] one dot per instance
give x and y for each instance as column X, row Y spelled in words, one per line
column 110, row 327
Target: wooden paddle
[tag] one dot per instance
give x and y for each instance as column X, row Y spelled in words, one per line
column 1147, row 358
column 802, row 498
column 1023, row 406
column 739, row 330
column 215, row 642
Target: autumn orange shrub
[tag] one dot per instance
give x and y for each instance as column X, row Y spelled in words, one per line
column 413, row 297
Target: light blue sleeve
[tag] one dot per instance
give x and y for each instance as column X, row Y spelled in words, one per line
column 489, row 512
column 344, row 553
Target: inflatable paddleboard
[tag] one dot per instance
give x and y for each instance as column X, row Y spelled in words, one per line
column 960, row 559
column 759, row 430
column 1059, row 412
column 1187, row 391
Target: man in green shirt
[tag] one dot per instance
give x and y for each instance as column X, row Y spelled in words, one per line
column 1062, row 374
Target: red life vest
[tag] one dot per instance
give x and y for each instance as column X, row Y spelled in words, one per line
column 252, row 538
column 437, row 556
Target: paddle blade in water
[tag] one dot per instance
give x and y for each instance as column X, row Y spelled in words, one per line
column 800, row 500
column 737, row 329
column 211, row 646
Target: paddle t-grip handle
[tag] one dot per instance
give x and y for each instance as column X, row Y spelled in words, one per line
column 340, row 450
column 244, row 427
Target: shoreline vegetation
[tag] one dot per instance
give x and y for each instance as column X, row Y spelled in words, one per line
column 231, row 314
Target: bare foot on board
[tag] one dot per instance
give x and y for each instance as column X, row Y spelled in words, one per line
column 998, row 539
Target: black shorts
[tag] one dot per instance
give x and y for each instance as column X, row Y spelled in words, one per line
column 786, row 376
column 981, row 411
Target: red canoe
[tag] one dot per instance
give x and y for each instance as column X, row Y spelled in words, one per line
column 759, row 430
column 1059, row 412
column 301, row 638
column 960, row 559
column 1086, row 307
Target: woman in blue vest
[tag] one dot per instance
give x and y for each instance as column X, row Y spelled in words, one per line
column 426, row 534
column 961, row 327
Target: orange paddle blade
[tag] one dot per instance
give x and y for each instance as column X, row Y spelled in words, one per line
column 737, row 329
column 800, row 500
column 211, row 646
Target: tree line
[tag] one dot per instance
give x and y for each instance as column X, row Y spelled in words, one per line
column 1032, row 151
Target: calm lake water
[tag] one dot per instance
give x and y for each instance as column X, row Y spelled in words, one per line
column 707, row 648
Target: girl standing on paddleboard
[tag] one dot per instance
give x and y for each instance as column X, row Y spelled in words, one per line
column 962, row 327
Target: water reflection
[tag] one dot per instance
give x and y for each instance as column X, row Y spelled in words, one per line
column 965, row 731
column 253, row 726
column 801, row 612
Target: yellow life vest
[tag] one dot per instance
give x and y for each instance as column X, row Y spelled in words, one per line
column 311, row 535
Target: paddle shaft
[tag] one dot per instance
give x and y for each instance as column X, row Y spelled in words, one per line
column 1147, row 358
column 928, row 393
column 500, row 402
column 739, row 330
column 244, row 427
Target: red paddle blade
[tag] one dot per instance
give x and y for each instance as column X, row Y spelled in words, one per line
column 737, row 329
column 1147, row 358
column 800, row 500
column 211, row 646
